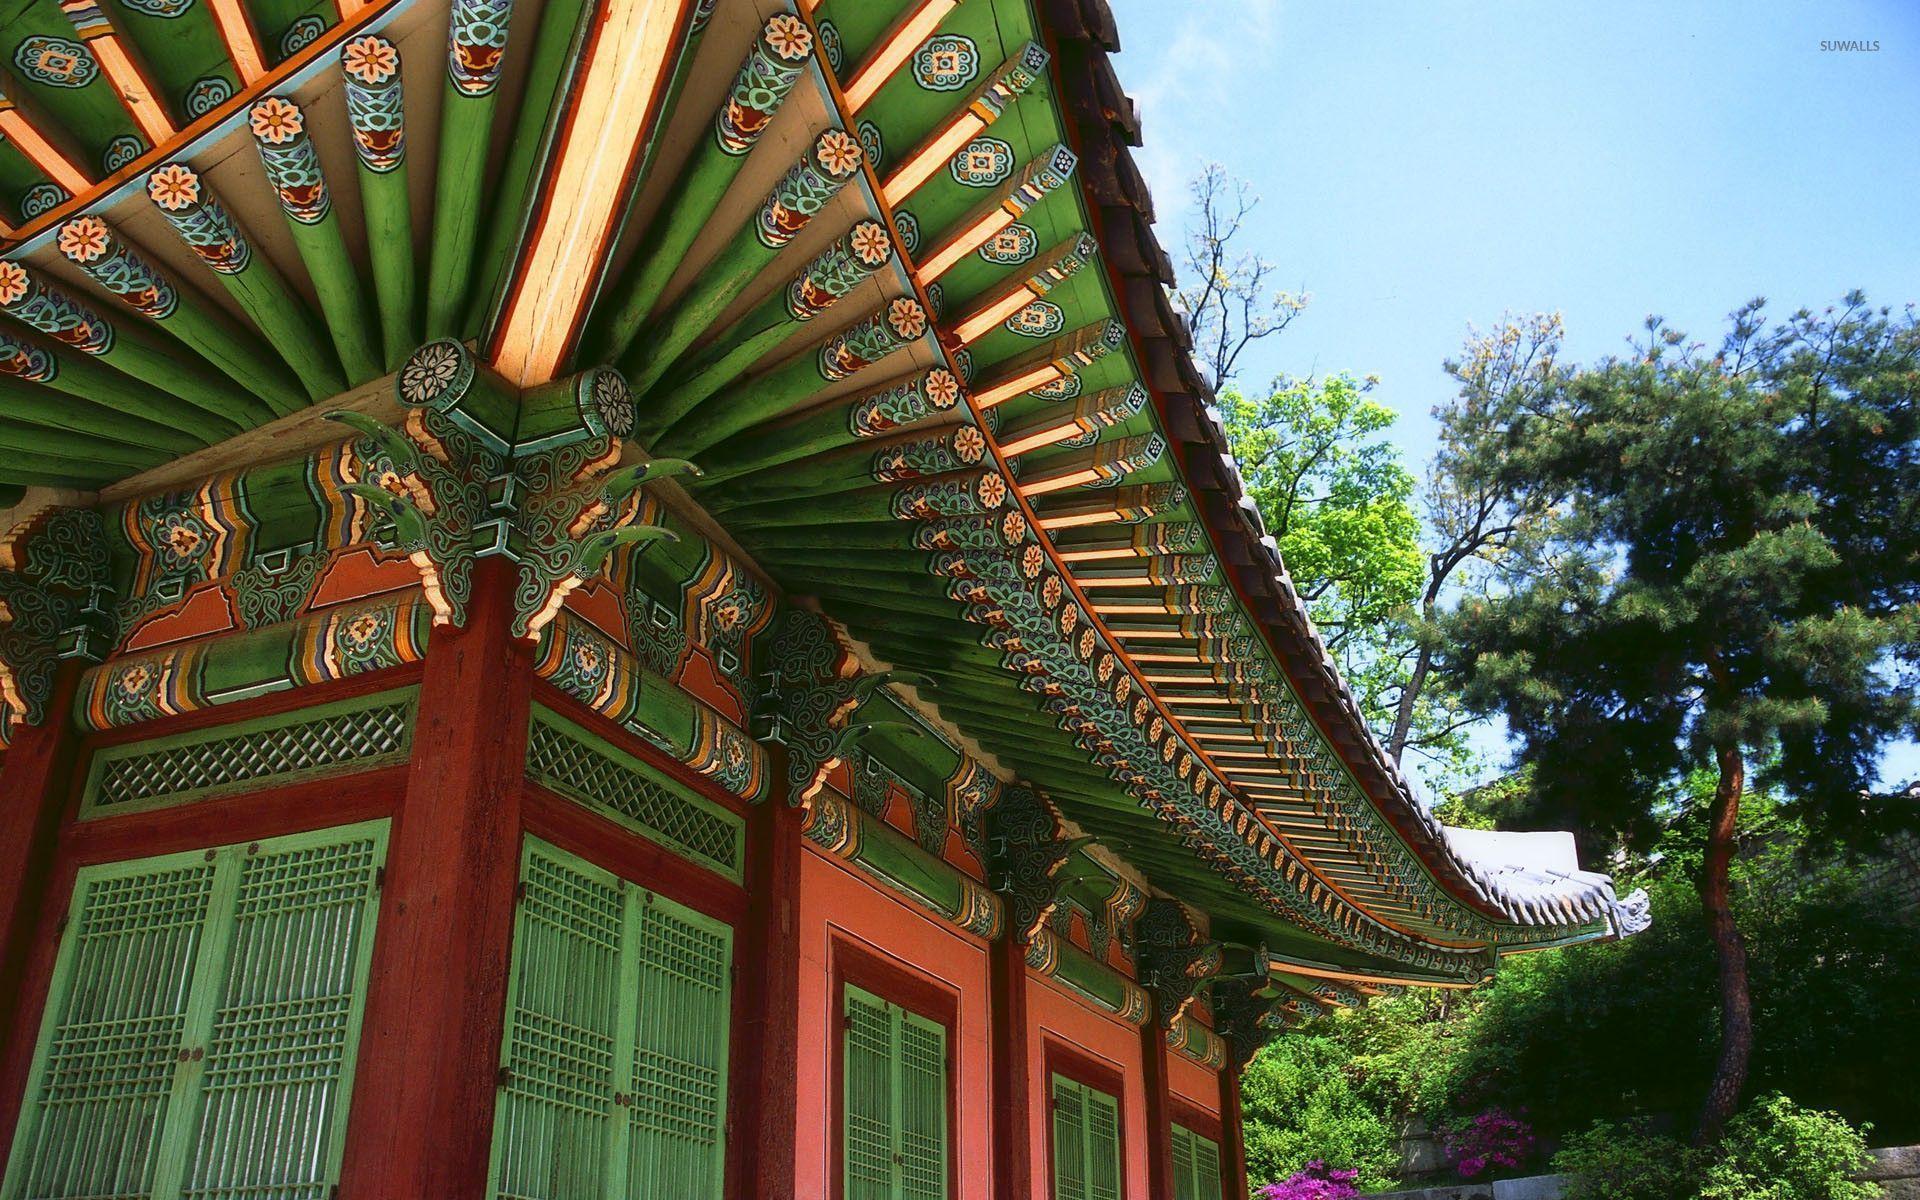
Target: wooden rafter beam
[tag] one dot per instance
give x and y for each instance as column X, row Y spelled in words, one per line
column 237, row 34
column 893, row 49
column 129, row 78
column 39, row 149
column 606, row 125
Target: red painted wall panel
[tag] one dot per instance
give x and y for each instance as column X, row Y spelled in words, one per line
column 1062, row 1019
column 837, row 905
column 1193, row 1083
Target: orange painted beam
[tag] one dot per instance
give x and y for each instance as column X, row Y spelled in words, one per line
column 893, row 49
column 243, row 43
column 48, row 158
column 137, row 93
column 610, row 114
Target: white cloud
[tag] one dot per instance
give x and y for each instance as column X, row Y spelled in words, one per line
column 1222, row 53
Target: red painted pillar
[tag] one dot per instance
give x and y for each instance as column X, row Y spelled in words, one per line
column 1159, row 1112
column 422, row 1119
column 769, row 1112
column 1012, row 1098
column 1233, row 1136
column 36, row 785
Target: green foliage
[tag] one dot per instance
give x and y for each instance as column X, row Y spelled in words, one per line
column 1603, row 1032
column 1303, row 1101
column 1729, row 557
column 1335, row 495
column 1628, row 1029
column 1317, row 458
column 1626, row 1162
column 1777, row 1150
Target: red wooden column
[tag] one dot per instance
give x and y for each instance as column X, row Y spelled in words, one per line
column 1233, row 1136
column 423, row 1097
column 1012, row 1077
column 1159, row 1112
column 36, row 785
column 768, row 1114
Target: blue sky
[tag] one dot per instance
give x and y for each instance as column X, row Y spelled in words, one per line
column 1427, row 165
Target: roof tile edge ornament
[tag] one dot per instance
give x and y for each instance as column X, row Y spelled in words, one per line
column 1086, row 77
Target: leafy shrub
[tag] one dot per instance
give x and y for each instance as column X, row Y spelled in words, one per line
column 1317, row 1182
column 1303, row 1104
column 1493, row 1139
column 1626, row 1162
column 1777, row 1150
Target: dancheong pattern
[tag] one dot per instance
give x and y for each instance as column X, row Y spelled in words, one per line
column 873, row 445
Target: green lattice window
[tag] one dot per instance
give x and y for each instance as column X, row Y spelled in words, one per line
column 1196, row 1166
column 199, row 1036
column 614, row 1067
column 895, row 1117
column 575, row 763
column 327, row 739
column 1086, row 1142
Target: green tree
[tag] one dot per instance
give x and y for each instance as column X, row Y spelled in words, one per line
column 1316, row 458
column 1725, row 568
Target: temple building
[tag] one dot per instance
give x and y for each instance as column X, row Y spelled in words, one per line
column 639, row 598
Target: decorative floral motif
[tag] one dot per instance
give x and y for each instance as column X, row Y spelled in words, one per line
column 56, row 62
column 13, row 283
column 983, row 162
column 173, row 187
column 430, row 372
column 872, row 143
column 908, row 227
column 1011, row 246
column 41, row 197
column 276, row 121
column 83, row 239
column 375, row 107
column 788, row 36
column 830, row 44
column 946, row 63
column 870, row 244
column 907, row 318
column 370, row 60
column 838, row 153
column 300, row 35
column 208, row 94
column 1040, row 319
column 613, row 401
column 772, row 66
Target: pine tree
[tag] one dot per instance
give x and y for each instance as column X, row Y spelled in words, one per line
column 1727, row 574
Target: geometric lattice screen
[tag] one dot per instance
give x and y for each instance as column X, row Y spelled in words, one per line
column 1086, row 1142
column 351, row 735
column 200, row 1032
column 894, row 1064
column 575, row 763
column 614, row 1066
column 1196, row 1166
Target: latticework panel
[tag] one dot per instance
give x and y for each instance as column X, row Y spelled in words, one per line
column 619, row 1000
column 555, row 1119
column 200, row 1034
column 356, row 735
column 111, row 1056
column 582, row 767
column 277, row 1060
column 679, row 1098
